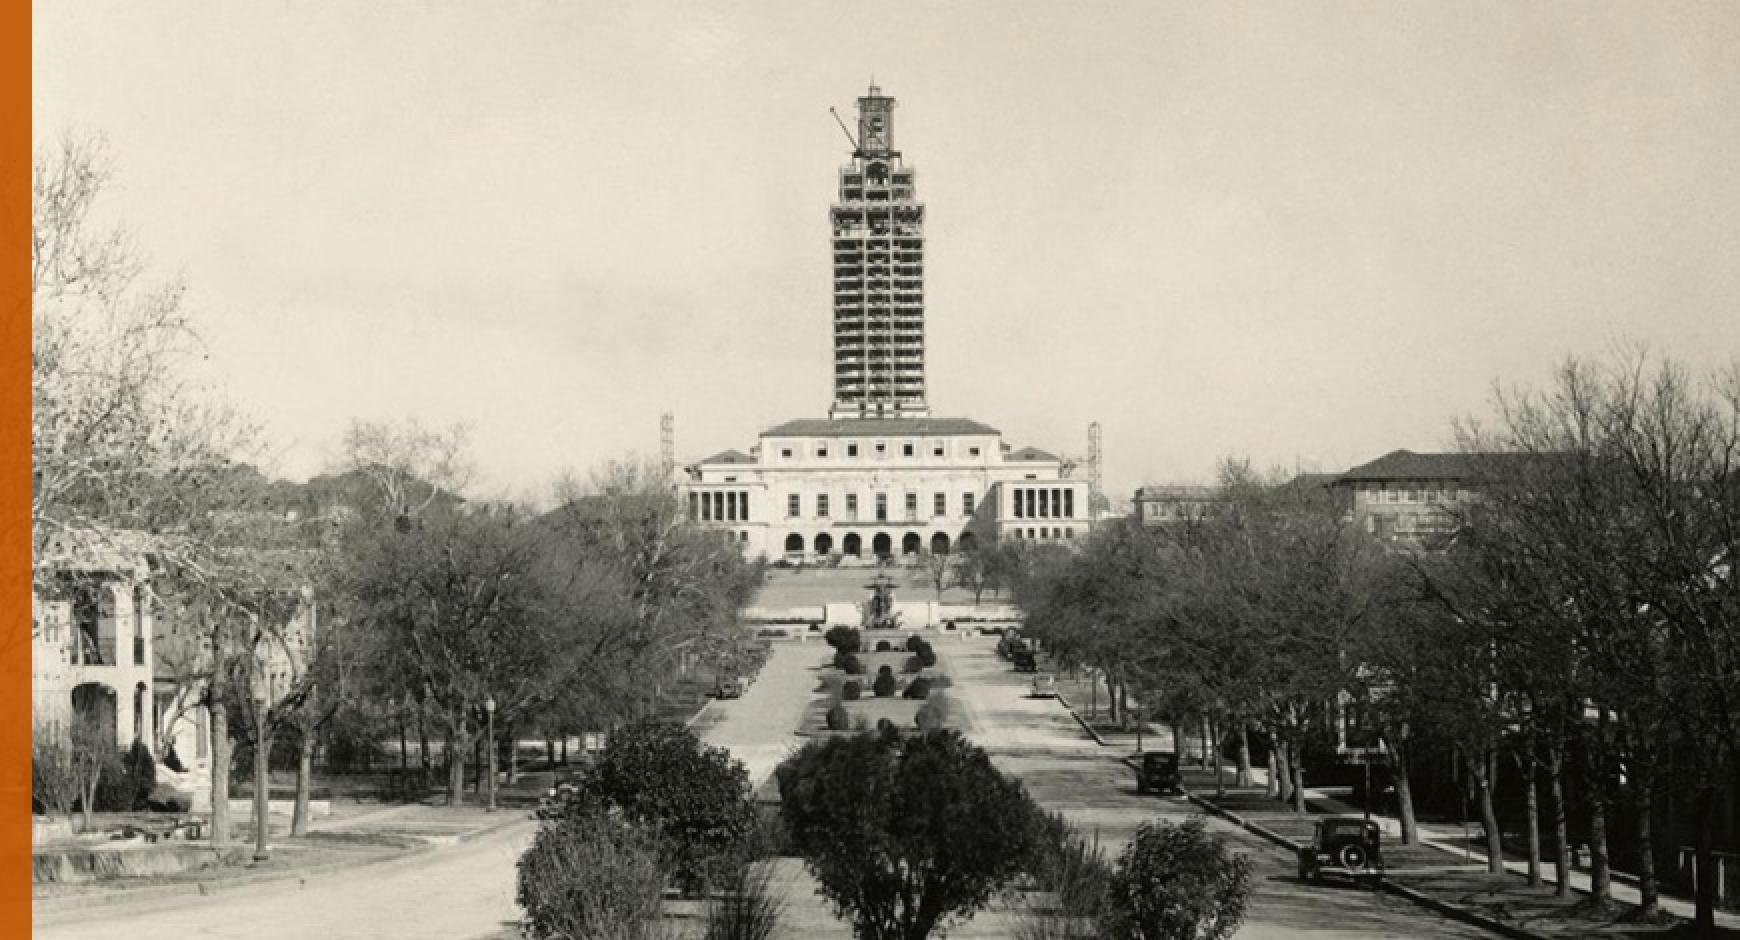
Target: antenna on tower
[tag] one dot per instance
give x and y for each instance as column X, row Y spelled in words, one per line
column 842, row 122
column 667, row 443
column 1096, row 493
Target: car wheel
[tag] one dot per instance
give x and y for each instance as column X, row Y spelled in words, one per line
column 1352, row 857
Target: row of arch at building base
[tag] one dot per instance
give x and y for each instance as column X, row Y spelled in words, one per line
column 880, row 545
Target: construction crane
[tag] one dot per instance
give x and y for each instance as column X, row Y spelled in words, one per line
column 1096, row 489
column 667, row 444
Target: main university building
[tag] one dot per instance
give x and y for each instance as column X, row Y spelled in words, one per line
column 880, row 476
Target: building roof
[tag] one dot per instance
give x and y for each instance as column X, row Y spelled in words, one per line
column 872, row 427
column 1030, row 453
column 1179, row 492
column 729, row 456
column 1401, row 465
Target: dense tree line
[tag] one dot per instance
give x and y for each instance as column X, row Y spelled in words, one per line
column 375, row 597
column 1576, row 623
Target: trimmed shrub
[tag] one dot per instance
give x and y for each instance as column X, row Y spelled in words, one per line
column 884, row 685
column 852, row 690
column 593, row 876
column 918, row 689
column 838, row 720
column 883, row 646
column 911, row 665
column 661, row 774
column 926, row 656
column 848, row 663
column 1180, row 881
column 844, row 639
column 933, row 714
column 166, row 799
column 913, row 642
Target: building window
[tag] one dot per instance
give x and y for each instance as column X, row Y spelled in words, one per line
column 940, row 505
column 851, row 505
column 1068, row 532
column 936, row 450
column 881, row 507
column 785, row 452
column 821, row 505
column 822, row 451
column 966, row 504
column 906, row 449
column 792, row 506
column 1019, row 500
column 852, row 449
column 881, row 449
column 972, row 452
column 912, row 504
column 1069, row 504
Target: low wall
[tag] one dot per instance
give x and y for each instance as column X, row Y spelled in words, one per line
column 125, row 859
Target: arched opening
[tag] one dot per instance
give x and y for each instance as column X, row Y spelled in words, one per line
column 97, row 701
column 794, row 544
column 852, row 546
column 939, row 544
column 969, row 542
column 882, row 545
column 911, row 544
column 824, row 544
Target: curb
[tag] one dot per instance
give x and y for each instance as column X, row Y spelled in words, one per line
column 46, row 909
column 1081, row 721
column 1386, row 885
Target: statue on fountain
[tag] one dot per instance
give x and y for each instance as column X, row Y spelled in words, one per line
column 879, row 613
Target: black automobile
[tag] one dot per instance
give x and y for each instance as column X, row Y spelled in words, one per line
column 1157, row 772
column 1342, row 847
column 1024, row 661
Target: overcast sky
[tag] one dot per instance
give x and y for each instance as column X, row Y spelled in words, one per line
column 1298, row 232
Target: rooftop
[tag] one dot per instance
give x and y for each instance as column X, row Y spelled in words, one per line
column 1401, row 465
column 873, row 427
column 729, row 456
column 1030, row 453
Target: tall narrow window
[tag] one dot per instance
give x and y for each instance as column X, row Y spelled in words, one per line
column 940, row 505
column 793, row 505
column 1069, row 504
column 966, row 504
column 852, row 505
column 1020, row 512
column 881, row 507
column 821, row 505
column 911, row 504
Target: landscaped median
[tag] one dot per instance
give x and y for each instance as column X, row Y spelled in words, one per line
column 1450, row 883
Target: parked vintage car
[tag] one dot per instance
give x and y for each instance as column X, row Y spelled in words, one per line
column 1024, row 661
column 1342, row 847
column 1157, row 772
column 728, row 688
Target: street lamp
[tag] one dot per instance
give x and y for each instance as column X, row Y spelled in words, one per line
column 489, row 713
column 262, row 782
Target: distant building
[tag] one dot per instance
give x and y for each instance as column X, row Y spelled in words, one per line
column 880, row 477
column 1404, row 497
column 1174, row 503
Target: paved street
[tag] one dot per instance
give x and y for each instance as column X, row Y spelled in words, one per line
column 465, row 890
column 1038, row 741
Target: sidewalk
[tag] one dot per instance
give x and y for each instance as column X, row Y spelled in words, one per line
column 1443, row 872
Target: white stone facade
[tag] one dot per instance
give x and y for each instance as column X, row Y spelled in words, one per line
column 857, row 489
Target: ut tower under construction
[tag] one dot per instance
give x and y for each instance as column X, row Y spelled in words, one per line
column 878, row 242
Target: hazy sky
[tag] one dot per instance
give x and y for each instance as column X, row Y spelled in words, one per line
column 1290, row 231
